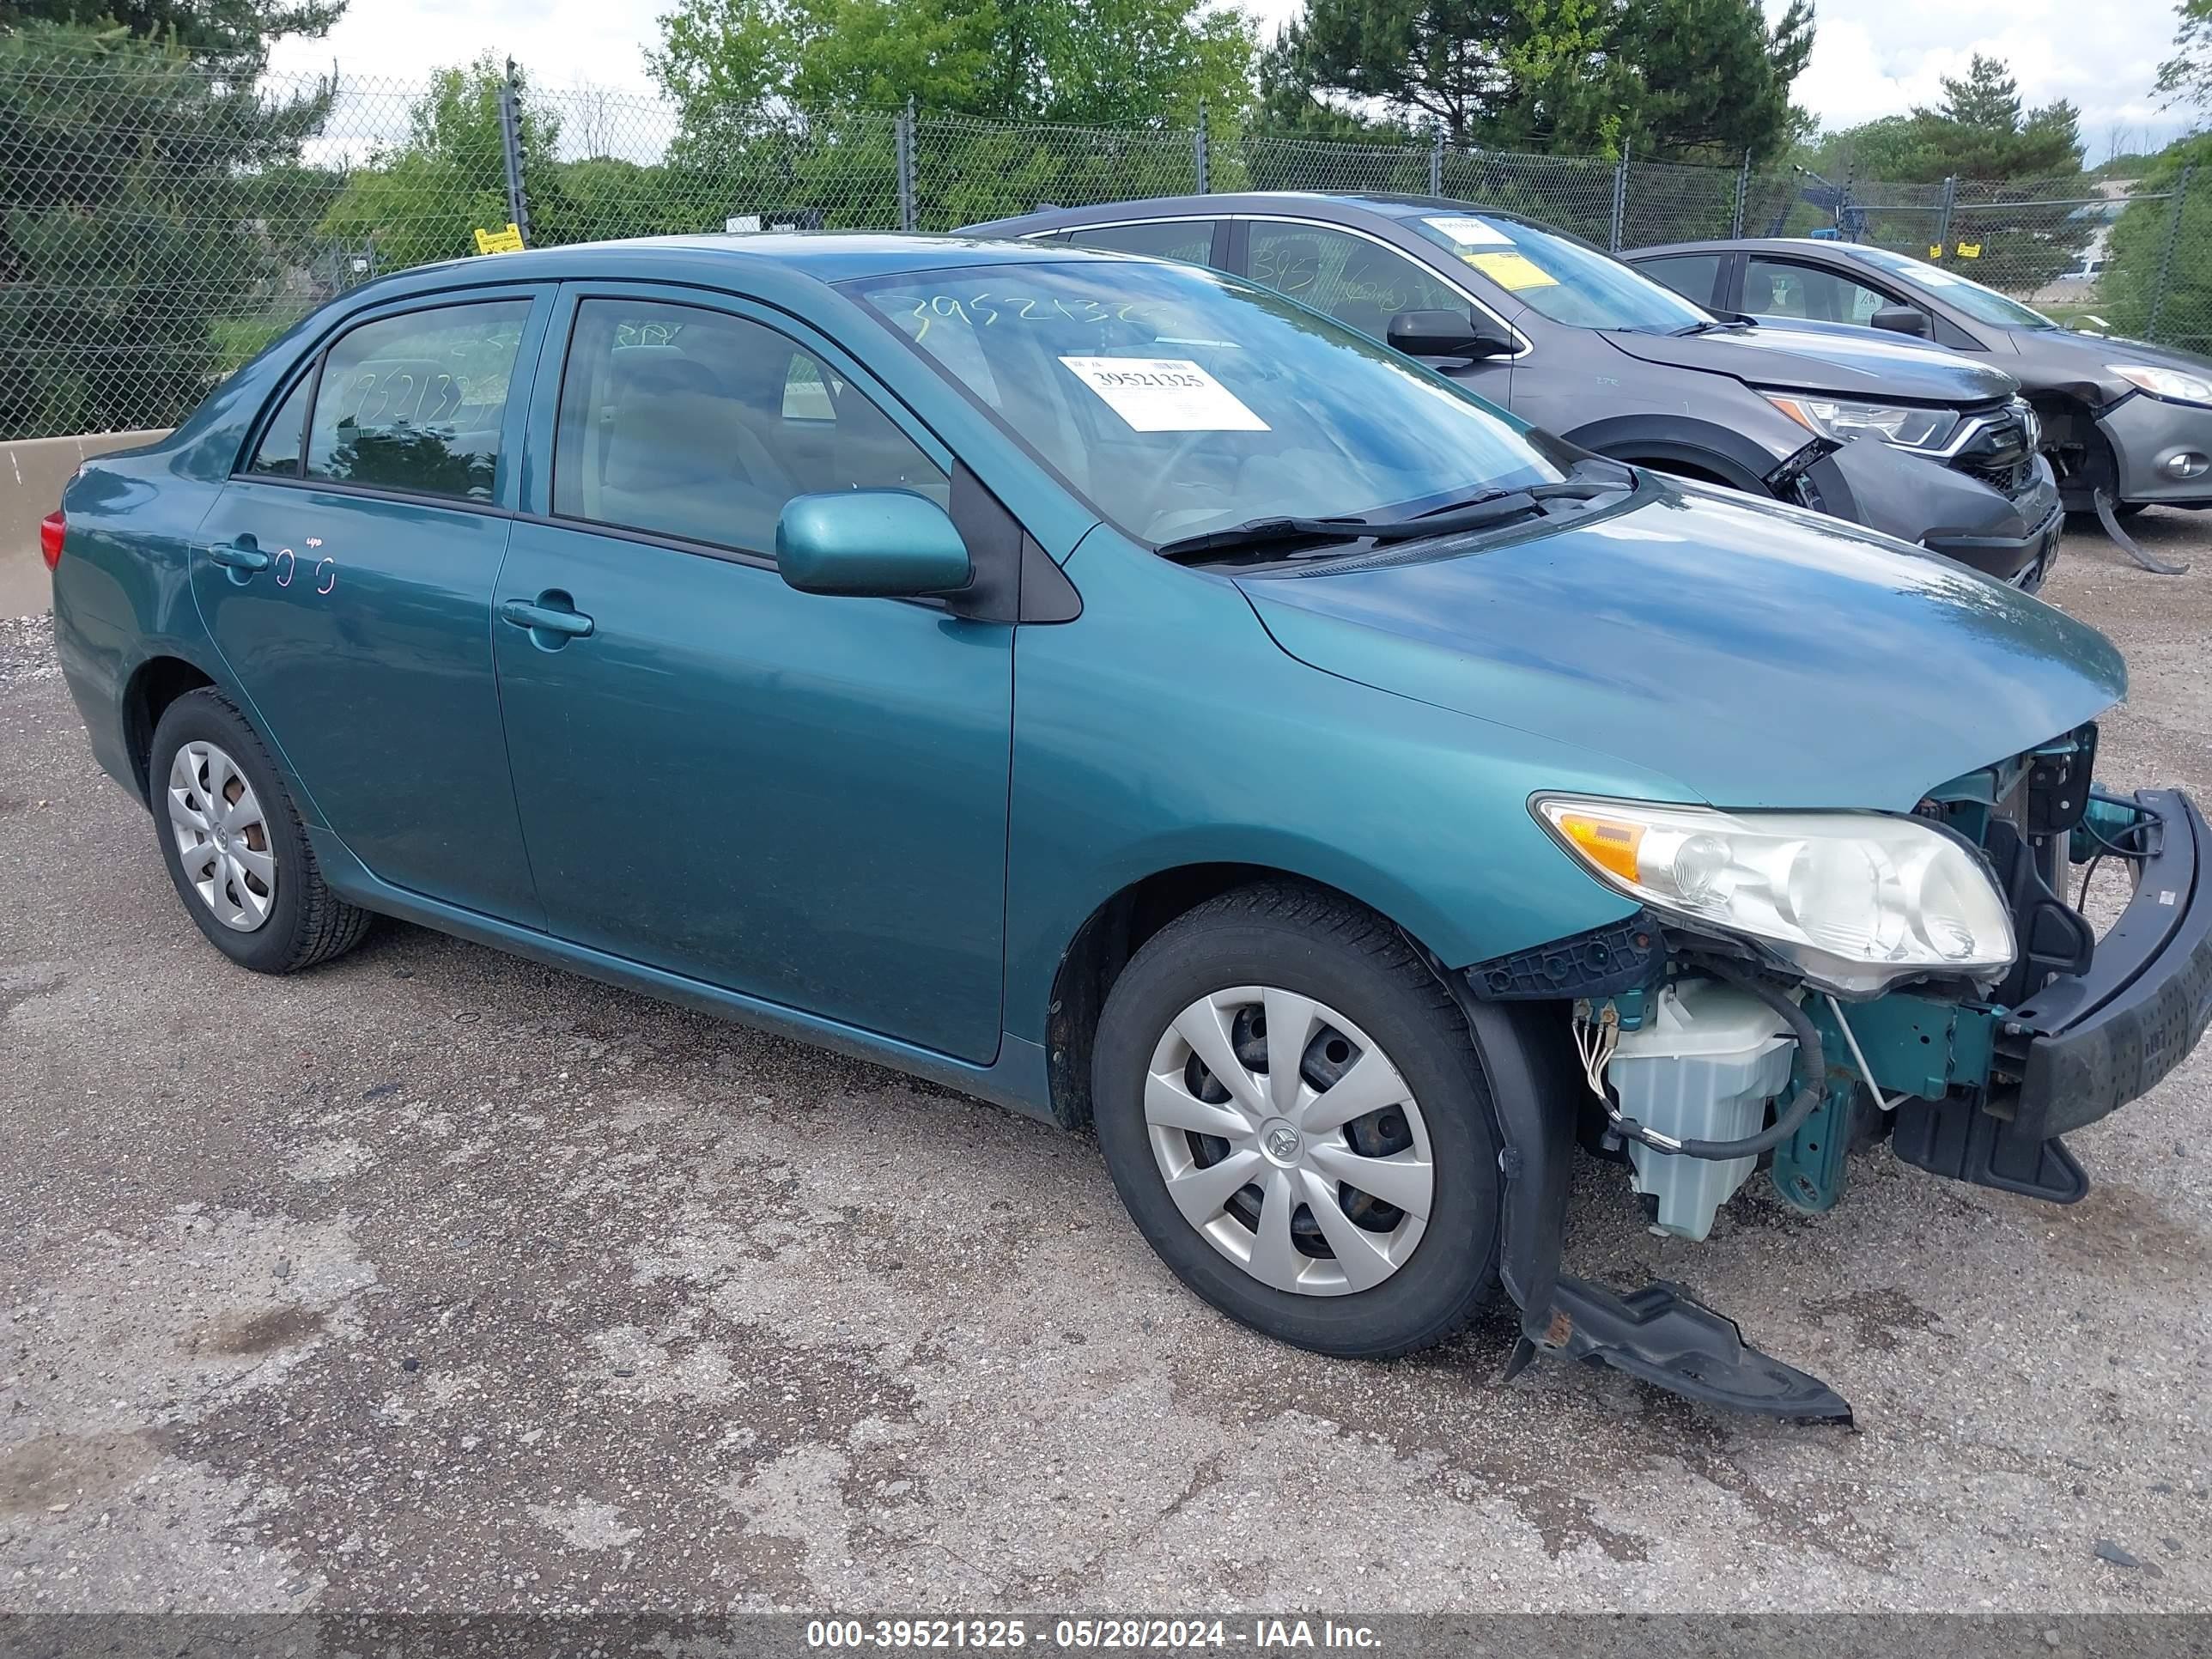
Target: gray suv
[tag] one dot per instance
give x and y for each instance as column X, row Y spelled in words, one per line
column 2122, row 416
column 1920, row 443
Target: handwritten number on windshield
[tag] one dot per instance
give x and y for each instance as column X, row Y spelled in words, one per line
column 983, row 308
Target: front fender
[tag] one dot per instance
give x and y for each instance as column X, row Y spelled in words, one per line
column 1166, row 728
column 1736, row 459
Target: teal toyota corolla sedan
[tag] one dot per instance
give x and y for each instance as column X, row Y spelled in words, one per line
column 1114, row 690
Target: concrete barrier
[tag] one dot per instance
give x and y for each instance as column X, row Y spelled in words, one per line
column 32, row 473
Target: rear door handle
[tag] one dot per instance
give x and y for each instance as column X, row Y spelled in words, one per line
column 544, row 617
column 239, row 556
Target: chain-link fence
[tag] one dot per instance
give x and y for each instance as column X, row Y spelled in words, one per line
column 161, row 221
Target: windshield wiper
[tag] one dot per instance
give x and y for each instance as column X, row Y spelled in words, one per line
column 1491, row 506
column 1255, row 533
column 1517, row 501
column 1711, row 325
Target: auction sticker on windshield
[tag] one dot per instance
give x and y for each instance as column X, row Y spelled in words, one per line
column 1467, row 231
column 1511, row 270
column 1164, row 394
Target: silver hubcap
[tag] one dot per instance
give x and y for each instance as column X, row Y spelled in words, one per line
column 1290, row 1140
column 222, row 838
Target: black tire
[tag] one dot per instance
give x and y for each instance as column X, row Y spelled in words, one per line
column 1302, row 940
column 307, row 923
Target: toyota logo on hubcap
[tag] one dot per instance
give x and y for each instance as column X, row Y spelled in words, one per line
column 1283, row 1144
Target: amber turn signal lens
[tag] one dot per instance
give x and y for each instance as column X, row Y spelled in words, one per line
column 1607, row 842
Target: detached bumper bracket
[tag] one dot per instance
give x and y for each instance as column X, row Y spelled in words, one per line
column 1666, row 1337
column 1957, row 1140
column 1661, row 1333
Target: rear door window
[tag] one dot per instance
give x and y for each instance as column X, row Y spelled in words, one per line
column 1190, row 241
column 414, row 404
column 1692, row 276
column 1358, row 283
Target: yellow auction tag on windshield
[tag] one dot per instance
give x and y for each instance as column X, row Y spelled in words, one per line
column 1511, row 270
column 500, row 241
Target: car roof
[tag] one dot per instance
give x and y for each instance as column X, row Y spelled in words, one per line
column 1752, row 244
column 1329, row 203
column 827, row 256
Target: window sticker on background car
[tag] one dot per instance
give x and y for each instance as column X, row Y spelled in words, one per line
column 1469, row 232
column 1164, row 394
column 1511, row 270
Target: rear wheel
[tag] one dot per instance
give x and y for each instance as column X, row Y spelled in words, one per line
column 1295, row 1118
column 234, row 845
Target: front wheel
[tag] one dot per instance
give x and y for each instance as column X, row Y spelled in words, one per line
column 1294, row 1116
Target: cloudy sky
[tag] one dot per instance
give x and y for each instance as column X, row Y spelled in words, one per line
column 1871, row 57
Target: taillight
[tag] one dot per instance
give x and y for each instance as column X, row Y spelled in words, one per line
column 51, row 529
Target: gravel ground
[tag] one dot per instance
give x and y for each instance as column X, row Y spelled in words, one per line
column 435, row 1279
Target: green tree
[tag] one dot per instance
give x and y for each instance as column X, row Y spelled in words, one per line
column 425, row 198
column 2020, row 196
column 2129, row 297
column 2186, row 77
column 1680, row 79
column 236, row 33
column 135, row 261
column 786, row 105
column 1122, row 63
column 1979, row 131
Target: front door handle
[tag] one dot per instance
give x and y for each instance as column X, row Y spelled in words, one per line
column 552, row 618
column 242, row 557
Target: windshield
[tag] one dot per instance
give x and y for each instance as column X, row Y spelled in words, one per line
column 1177, row 401
column 1983, row 304
column 1558, row 278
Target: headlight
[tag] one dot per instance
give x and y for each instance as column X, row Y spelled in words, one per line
column 2168, row 383
column 1893, row 423
column 1855, row 901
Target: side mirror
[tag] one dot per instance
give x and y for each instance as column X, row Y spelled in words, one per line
column 1448, row 334
column 1902, row 320
column 883, row 543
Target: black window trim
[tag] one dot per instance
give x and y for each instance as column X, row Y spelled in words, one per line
column 435, row 299
column 312, row 379
column 722, row 551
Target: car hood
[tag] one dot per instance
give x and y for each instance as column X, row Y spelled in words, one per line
column 1845, row 365
column 1759, row 656
column 2083, row 361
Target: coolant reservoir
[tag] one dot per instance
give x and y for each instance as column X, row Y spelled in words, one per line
column 1703, row 1065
